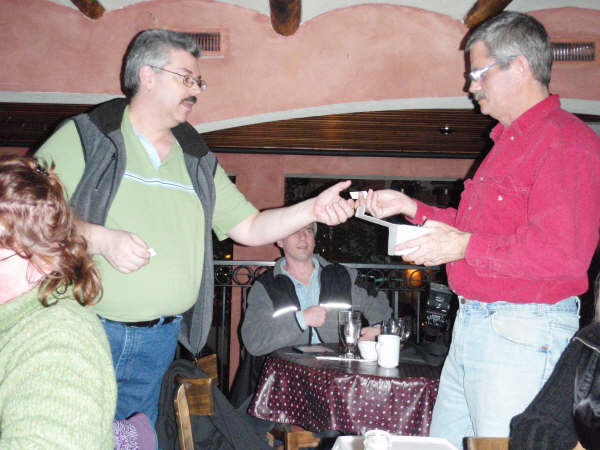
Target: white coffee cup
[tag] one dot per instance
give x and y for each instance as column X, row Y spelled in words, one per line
column 388, row 350
column 377, row 440
column 367, row 350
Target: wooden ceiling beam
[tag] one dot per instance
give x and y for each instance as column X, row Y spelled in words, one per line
column 285, row 16
column 483, row 10
column 91, row 8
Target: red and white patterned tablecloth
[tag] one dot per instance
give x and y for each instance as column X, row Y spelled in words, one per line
column 350, row 397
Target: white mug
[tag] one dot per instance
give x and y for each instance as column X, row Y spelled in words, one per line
column 377, row 440
column 367, row 350
column 388, row 350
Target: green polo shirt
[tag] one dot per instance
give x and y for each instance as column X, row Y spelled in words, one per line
column 157, row 202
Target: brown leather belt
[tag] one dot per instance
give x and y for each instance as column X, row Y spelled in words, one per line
column 146, row 323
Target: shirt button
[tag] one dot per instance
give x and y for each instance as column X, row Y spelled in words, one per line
column 512, row 138
column 500, row 198
column 470, row 208
column 424, row 218
column 481, row 178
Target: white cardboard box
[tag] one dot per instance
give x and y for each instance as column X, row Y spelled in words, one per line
column 398, row 443
column 397, row 233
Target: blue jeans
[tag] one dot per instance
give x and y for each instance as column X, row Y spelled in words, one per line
column 141, row 357
column 501, row 355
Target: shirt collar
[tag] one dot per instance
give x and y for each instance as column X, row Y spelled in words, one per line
column 146, row 144
column 529, row 118
column 314, row 275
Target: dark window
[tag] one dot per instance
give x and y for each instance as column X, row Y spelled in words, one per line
column 360, row 241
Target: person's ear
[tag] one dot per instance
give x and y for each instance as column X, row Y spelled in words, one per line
column 147, row 77
column 521, row 66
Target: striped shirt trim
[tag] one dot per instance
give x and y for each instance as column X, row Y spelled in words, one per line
column 158, row 182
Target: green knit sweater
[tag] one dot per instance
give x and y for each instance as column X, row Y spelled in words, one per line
column 57, row 383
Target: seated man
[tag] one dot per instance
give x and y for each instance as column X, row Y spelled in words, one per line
column 296, row 302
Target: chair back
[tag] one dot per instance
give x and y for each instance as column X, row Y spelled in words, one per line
column 487, row 443
column 194, row 398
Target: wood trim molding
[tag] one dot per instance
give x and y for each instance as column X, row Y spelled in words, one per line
column 439, row 133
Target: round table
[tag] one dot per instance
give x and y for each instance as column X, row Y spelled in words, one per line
column 348, row 396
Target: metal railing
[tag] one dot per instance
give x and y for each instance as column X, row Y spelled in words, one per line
column 403, row 283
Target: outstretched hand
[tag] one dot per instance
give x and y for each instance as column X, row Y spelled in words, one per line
column 388, row 202
column 331, row 209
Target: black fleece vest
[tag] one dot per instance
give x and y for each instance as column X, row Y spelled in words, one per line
column 105, row 161
column 334, row 280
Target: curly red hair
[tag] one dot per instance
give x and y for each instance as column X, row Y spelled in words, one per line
column 36, row 222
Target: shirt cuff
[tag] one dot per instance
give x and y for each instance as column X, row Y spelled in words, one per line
column 424, row 212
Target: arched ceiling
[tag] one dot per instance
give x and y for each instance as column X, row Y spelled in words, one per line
column 456, row 9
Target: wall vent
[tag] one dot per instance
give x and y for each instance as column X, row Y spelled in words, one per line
column 574, row 51
column 211, row 41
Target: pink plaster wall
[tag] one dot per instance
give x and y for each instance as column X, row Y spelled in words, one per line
column 359, row 53
column 574, row 24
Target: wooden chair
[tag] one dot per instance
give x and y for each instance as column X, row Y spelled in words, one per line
column 194, row 397
column 483, row 443
column 294, row 439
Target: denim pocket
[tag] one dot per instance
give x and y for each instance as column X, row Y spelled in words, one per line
column 527, row 330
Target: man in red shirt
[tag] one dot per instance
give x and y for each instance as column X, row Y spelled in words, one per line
column 519, row 245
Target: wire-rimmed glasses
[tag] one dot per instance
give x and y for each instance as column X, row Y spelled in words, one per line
column 476, row 74
column 8, row 257
column 188, row 80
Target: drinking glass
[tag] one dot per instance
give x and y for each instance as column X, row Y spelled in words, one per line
column 405, row 328
column 400, row 327
column 349, row 325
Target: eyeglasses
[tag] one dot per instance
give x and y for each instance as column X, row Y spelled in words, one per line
column 188, row 80
column 8, row 257
column 476, row 74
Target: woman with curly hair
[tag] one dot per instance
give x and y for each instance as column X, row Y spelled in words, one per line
column 57, row 384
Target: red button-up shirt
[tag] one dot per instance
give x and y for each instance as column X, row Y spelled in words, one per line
column 533, row 211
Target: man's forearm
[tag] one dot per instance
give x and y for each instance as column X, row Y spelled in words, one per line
column 271, row 225
column 274, row 224
column 92, row 234
column 125, row 251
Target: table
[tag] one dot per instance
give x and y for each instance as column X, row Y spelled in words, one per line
column 347, row 396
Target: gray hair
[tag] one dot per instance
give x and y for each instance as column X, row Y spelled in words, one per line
column 151, row 48
column 510, row 34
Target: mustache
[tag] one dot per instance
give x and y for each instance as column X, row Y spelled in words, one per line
column 191, row 98
column 479, row 95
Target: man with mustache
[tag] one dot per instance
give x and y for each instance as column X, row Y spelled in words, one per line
column 149, row 192
column 519, row 245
